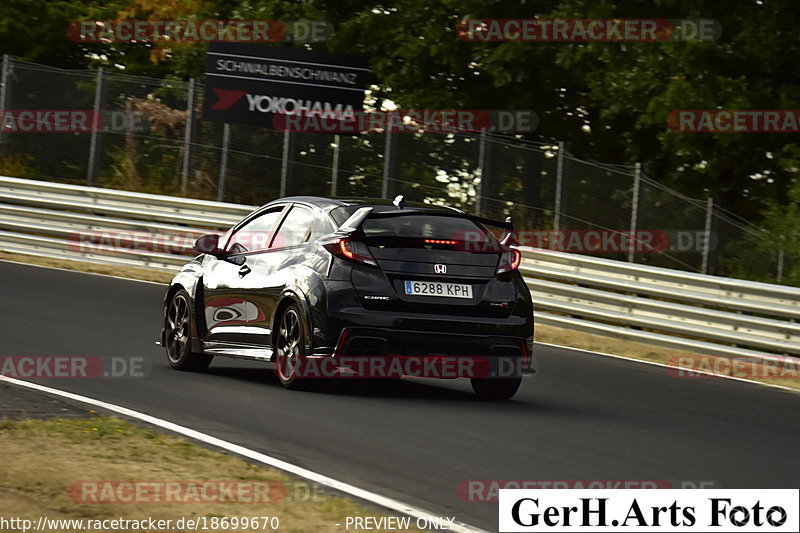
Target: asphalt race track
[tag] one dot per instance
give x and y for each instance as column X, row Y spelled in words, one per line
column 585, row 417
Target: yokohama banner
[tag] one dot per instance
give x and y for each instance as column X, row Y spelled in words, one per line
column 250, row 83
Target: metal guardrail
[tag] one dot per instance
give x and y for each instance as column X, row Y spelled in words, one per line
column 658, row 306
column 683, row 310
column 105, row 225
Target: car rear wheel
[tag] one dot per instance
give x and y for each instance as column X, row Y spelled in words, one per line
column 290, row 348
column 178, row 335
column 495, row 388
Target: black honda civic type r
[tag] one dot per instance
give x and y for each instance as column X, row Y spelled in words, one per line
column 321, row 287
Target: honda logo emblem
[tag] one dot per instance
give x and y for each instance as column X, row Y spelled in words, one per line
column 440, row 269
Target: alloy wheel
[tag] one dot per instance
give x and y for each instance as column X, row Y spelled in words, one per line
column 177, row 328
column 288, row 344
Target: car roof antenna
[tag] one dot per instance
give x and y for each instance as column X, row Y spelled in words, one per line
column 399, row 201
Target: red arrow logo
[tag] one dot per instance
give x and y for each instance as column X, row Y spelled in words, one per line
column 226, row 98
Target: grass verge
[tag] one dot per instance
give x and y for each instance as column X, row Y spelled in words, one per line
column 48, row 459
column 655, row 354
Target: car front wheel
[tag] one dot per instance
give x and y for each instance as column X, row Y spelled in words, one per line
column 290, row 348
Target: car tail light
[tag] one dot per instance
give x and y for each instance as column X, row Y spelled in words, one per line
column 350, row 250
column 509, row 260
column 440, row 241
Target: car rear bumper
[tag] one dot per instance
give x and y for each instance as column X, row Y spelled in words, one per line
column 432, row 354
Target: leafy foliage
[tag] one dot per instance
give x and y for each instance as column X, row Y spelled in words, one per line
column 609, row 100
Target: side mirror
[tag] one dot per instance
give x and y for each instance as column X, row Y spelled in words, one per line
column 208, row 244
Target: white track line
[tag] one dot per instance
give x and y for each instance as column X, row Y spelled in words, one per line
column 388, row 503
column 664, row 365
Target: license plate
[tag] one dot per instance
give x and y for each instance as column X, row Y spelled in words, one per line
column 438, row 288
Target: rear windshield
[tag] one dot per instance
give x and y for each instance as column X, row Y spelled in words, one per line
column 420, row 227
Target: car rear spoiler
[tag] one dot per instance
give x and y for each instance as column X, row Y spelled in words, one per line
column 353, row 224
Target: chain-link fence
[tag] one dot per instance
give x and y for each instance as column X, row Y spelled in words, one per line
column 153, row 140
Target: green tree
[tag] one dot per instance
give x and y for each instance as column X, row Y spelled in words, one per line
column 610, row 101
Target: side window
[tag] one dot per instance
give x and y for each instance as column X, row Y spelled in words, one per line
column 296, row 228
column 323, row 226
column 256, row 234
